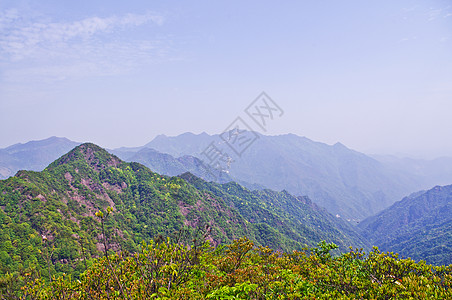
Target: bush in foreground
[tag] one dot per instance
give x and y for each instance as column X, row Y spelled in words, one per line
column 168, row 270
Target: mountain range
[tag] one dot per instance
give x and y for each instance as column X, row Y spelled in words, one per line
column 33, row 155
column 167, row 164
column 89, row 199
column 419, row 226
column 347, row 183
column 60, row 204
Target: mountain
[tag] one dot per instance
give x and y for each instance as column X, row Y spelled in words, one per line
column 166, row 164
column 33, row 155
column 299, row 217
column 183, row 144
column 418, row 226
column 347, row 183
column 51, row 219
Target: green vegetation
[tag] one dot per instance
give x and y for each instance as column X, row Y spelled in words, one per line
column 294, row 217
column 76, row 231
column 50, row 215
column 49, row 224
column 240, row 270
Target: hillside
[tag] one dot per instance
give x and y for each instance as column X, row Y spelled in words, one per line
column 297, row 217
column 419, row 226
column 346, row 182
column 56, row 209
column 166, row 164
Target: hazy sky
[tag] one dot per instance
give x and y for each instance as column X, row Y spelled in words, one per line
column 374, row 75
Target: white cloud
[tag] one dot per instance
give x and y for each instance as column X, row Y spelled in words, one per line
column 435, row 13
column 7, row 17
column 83, row 61
column 91, row 46
column 19, row 39
column 406, row 39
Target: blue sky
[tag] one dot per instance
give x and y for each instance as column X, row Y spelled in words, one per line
column 374, row 75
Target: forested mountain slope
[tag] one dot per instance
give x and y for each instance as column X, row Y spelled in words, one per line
column 419, row 226
column 51, row 215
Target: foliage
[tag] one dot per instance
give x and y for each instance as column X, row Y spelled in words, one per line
column 280, row 213
column 48, row 221
column 75, row 231
column 90, row 204
column 241, row 270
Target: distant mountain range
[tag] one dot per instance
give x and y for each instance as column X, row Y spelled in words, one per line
column 419, row 226
column 88, row 178
column 33, row 156
column 58, row 208
column 347, row 183
column 169, row 165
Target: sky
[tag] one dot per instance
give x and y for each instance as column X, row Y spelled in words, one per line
column 373, row 75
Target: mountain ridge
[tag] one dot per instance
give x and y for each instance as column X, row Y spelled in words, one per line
column 61, row 203
column 306, row 167
column 346, row 182
column 32, row 155
column 418, row 226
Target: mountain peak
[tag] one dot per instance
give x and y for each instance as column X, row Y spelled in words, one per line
column 95, row 156
column 161, row 136
column 339, row 145
column 36, row 144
